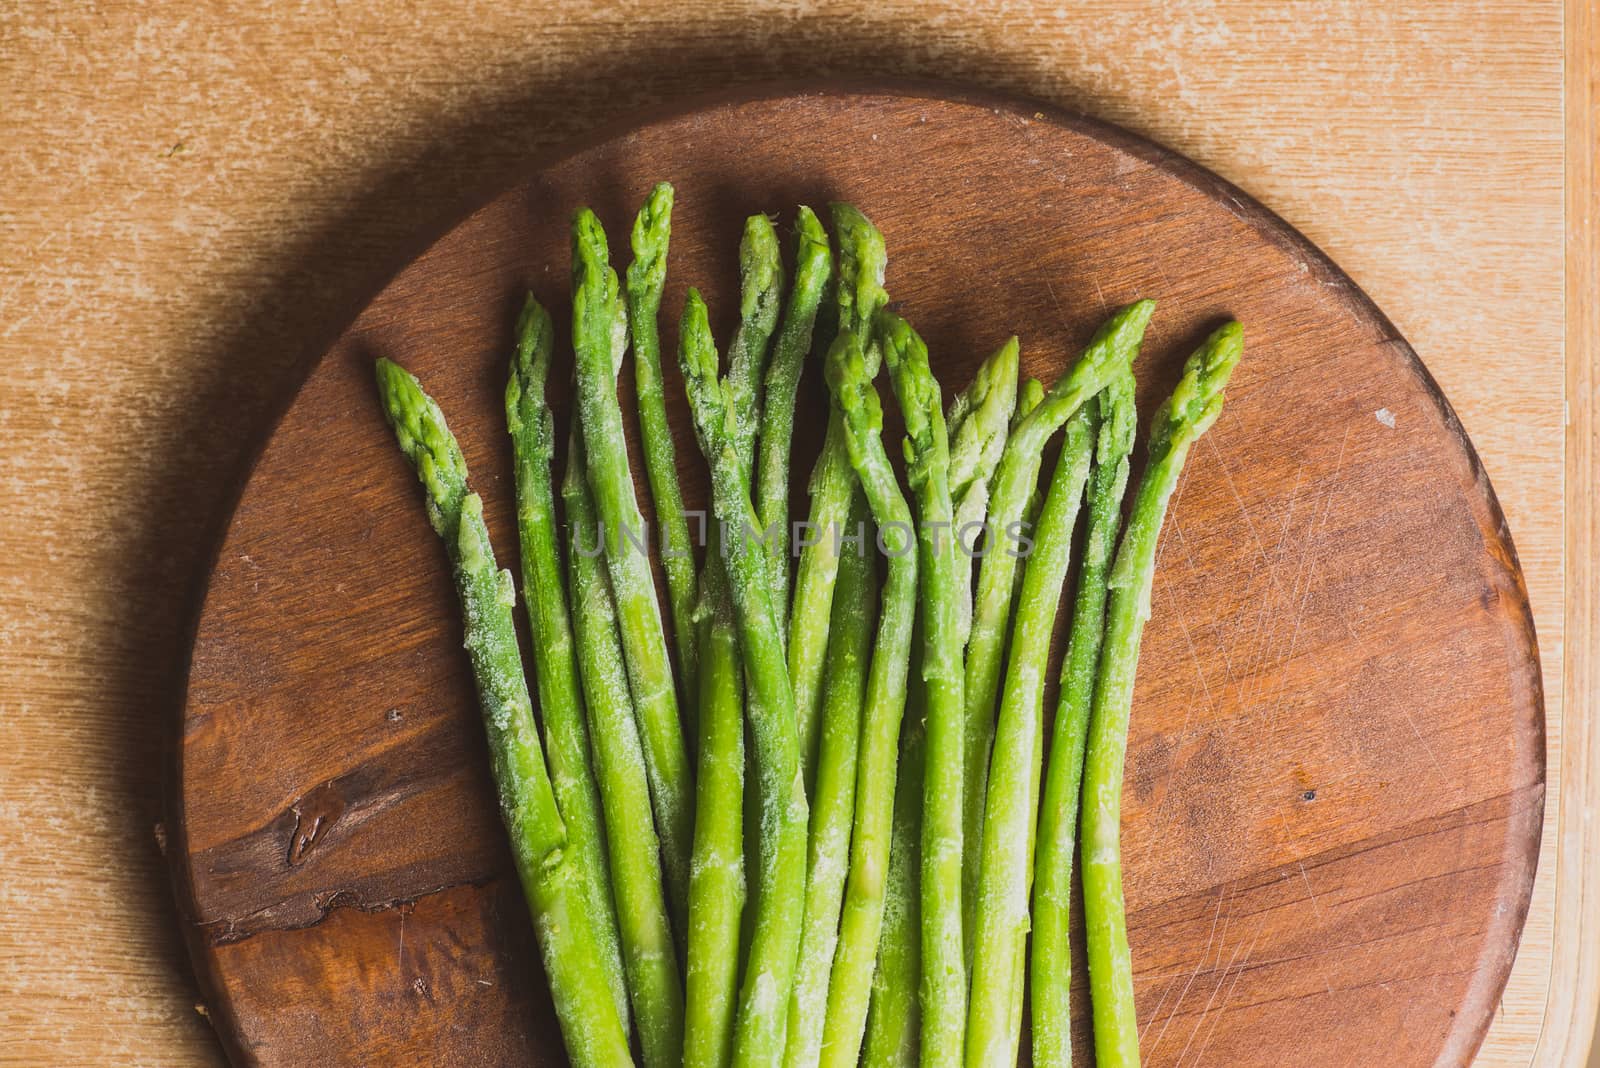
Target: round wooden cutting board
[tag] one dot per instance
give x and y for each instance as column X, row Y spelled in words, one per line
column 1336, row 768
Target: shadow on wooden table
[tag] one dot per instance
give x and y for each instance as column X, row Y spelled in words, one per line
column 238, row 385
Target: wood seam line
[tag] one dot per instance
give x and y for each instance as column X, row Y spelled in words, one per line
column 1573, row 998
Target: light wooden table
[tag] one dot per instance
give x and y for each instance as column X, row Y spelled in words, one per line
column 190, row 195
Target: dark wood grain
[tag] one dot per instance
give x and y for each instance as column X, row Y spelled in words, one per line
column 1336, row 768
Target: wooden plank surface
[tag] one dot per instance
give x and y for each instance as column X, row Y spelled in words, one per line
column 193, row 193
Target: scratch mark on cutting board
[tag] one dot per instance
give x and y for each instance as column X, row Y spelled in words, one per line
column 1312, row 893
column 1222, row 892
column 1199, row 967
column 1205, row 1012
column 1238, row 973
column 1308, row 564
column 1244, row 512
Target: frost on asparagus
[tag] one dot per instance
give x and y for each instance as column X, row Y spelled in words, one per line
column 1000, row 910
column 568, row 943
column 760, row 298
column 978, row 422
column 775, row 936
column 1050, row 959
column 599, row 334
column 549, row 625
column 944, row 1001
column 646, row 276
column 861, row 922
column 832, row 807
column 1191, row 410
column 813, row 270
column 858, row 294
column 1013, row 489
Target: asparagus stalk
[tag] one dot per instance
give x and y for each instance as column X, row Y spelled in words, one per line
column 598, row 343
column 813, row 269
column 1001, row 913
column 1108, row 354
column 1028, row 398
column 717, row 878
column 646, row 276
column 780, row 900
column 895, row 1018
column 760, row 289
column 978, row 425
column 980, row 419
column 849, row 983
column 858, row 293
column 832, row 804
column 650, row 960
column 760, row 299
column 555, row 665
column 944, row 973
column 551, row 880
column 1192, row 408
column 1051, row 957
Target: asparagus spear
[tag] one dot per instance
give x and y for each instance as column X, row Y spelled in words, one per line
column 858, row 293
column 944, row 974
column 1001, row 912
column 813, row 269
column 1108, row 354
column 555, row 666
column 619, row 758
column 647, row 275
column 977, row 422
column 1190, row 411
column 551, row 879
column 760, row 289
column 780, row 899
column 598, row 342
column 1051, row 958
column 849, row 984
column 832, row 805
column 760, row 298
column 717, row 878
column 894, row 1020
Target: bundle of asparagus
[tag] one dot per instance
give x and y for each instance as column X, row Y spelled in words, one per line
column 905, row 833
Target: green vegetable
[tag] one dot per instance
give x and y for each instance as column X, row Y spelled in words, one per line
column 552, row 882
column 760, row 298
column 1108, row 354
column 849, row 985
column 1001, row 912
column 895, row 1018
column 832, row 803
column 555, row 665
column 944, row 974
column 717, row 879
column 978, row 422
column 1191, row 410
column 652, row 966
column 647, row 275
column 1051, row 957
column 858, row 293
column 599, row 336
column 780, row 898
column 813, row 269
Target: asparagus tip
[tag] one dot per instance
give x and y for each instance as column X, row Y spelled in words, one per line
column 1197, row 400
column 760, row 271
